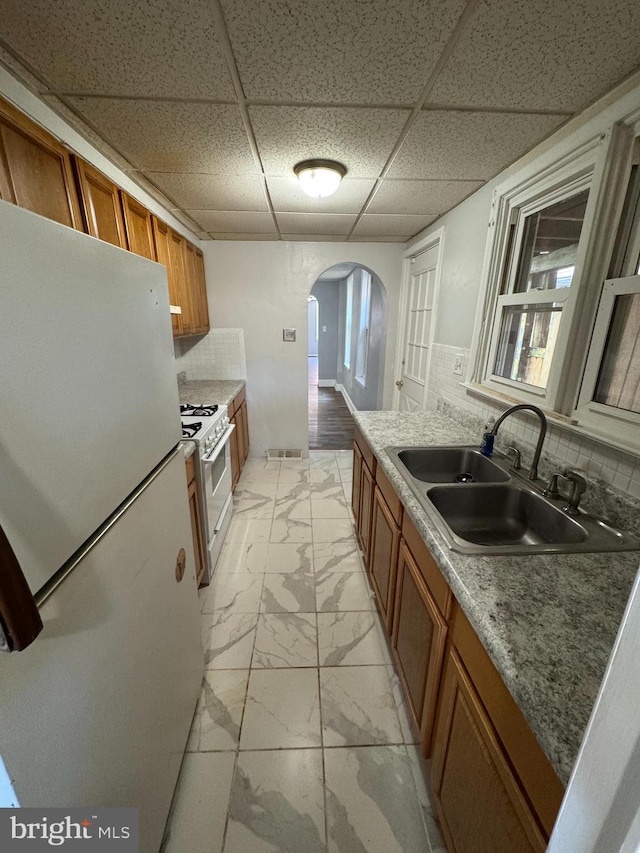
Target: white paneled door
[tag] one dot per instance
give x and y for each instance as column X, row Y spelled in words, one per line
column 418, row 330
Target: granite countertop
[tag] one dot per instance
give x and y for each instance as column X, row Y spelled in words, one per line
column 188, row 448
column 202, row 391
column 548, row 622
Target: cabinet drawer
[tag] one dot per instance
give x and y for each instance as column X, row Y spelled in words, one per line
column 392, row 500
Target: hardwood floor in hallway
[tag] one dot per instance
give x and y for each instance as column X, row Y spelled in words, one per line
column 330, row 422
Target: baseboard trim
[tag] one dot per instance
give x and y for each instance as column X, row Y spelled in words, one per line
column 346, row 398
column 326, row 383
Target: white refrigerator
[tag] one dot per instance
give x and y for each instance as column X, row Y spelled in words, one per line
column 95, row 707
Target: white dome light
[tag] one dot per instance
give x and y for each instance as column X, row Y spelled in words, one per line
column 319, row 178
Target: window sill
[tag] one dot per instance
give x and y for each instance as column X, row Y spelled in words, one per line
column 555, row 419
column 361, row 382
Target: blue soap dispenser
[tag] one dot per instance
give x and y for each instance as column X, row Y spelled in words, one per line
column 486, row 446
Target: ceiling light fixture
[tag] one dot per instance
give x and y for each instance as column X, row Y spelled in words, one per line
column 319, row 178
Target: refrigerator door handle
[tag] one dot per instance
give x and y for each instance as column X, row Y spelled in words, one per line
column 20, row 621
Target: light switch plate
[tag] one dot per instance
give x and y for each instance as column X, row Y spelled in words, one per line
column 458, row 365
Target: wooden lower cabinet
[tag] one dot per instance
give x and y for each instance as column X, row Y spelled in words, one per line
column 197, row 528
column 480, row 804
column 355, row 483
column 366, row 512
column 383, row 560
column 419, row 635
column 239, row 441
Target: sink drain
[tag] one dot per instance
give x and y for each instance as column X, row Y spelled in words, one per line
column 467, row 477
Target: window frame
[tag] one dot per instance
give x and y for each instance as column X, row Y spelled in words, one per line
column 520, row 208
column 604, row 156
column 348, row 322
column 364, row 322
column 597, row 417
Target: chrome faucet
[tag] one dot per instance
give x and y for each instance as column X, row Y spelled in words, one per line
column 578, row 488
column 533, row 470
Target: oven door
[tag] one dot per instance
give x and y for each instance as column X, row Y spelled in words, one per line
column 217, row 482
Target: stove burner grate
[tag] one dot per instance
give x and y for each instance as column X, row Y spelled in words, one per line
column 191, row 430
column 197, row 411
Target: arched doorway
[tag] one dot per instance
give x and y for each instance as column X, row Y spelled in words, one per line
column 352, row 334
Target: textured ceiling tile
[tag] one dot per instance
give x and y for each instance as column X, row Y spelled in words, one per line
column 212, row 192
column 214, row 235
column 420, row 196
column 167, row 136
column 83, row 129
column 538, row 54
column 287, row 195
column 338, row 224
column 233, row 221
column 468, row 145
column 18, row 69
column 119, row 47
column 355, row 239
column 390, row 225
column 361, row 139
column 338, row 51
column 313, row 238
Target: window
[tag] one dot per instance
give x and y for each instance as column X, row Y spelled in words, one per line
column 348, row 323
column 553, row 331
column 537, row 284
column 363, row 327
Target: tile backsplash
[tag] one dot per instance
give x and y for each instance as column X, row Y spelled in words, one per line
column 605, row 466
column 217, row 355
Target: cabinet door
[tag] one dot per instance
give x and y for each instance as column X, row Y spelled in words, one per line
column 244, row 432
column 201, row 291
column 137, row 220
column 385, row 539
column 190, row 313
column 419, row 636
column 35, row 169
column 366, row 510
column 161, row 236
column 235, row 456
column 356, row 483
column 480, row 805
column 101, row 205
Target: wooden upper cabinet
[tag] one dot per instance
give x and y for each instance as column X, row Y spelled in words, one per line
column 35, row 169
column 101, row 205
column 162, row 240
column 191, row 317
column 137, row 220
column 201, row 290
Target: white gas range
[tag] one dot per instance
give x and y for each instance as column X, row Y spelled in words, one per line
column 208, row 426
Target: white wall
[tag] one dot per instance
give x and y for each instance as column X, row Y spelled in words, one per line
column 327, row 294
column 262, row 288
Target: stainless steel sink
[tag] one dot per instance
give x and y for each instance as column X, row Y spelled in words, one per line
column 504, row 515
column 451, row 465
column 480, row 506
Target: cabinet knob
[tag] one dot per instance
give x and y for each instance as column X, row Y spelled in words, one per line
column 399, row 383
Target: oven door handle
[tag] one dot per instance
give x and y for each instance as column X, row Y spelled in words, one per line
column 217, row 450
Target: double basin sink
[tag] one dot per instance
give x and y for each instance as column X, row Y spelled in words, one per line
column 480, row 506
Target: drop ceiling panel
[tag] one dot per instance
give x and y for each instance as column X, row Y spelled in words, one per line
column 233, row 221
column 313, row 238
column 287, row 195
column 168, row 136
column 315, row 223
column 374, row 225
column 338, row 51
column 416, row 197
column 243, row 236
column 468, row 145
column 361, row 138
column 116, row 47
column 533, row 54
column 212, row 192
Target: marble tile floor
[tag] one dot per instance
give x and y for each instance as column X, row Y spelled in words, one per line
column 300, row 741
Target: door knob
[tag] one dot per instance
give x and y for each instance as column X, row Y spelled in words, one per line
column 399, row 383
